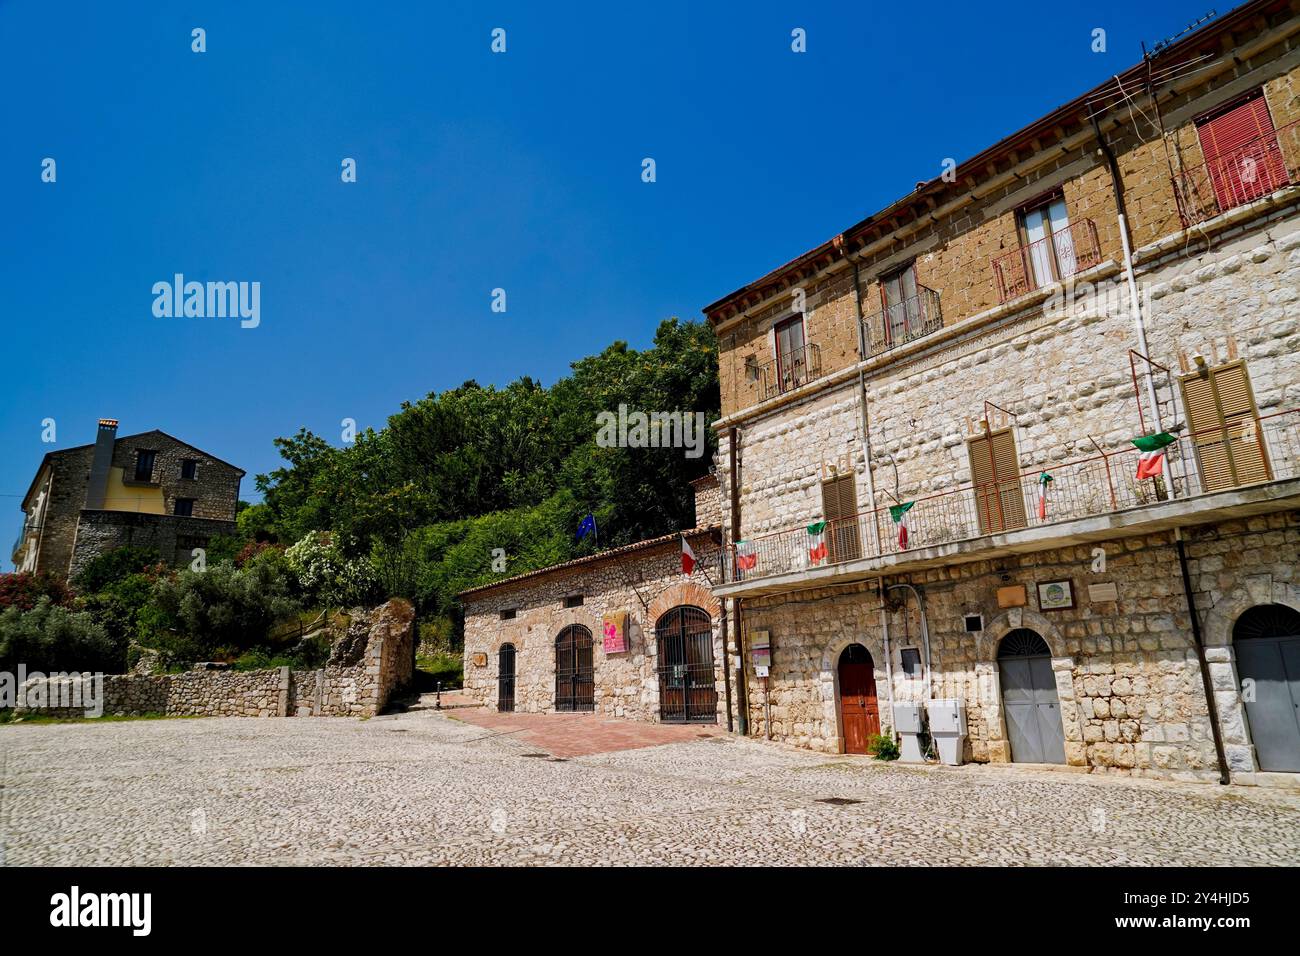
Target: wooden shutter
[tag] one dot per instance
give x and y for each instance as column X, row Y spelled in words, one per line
column 1224, row 421
column 1242, row 153
column 999, row 502
column 840, row 509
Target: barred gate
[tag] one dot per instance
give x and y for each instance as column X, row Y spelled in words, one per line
column 687, row 689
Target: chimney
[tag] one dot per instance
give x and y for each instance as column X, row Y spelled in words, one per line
column 708, row 502
column 97, row 489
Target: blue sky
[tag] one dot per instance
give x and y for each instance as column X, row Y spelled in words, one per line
column 475, row 171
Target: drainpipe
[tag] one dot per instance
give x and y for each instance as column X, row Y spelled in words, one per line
column 1211, row 705
column 742, row 690
column 726, row 660
column 862, row 413
column 889, row 657
column 1134, row 301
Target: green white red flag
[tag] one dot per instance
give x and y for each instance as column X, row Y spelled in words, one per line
column 1043, row 481
column 1152, row 460
column 688, row 557
column 899, row 514
column 746, row 556
column 817, row 542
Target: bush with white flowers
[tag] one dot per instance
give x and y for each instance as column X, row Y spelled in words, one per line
column 325, row 576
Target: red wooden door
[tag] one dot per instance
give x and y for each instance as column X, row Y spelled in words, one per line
column 859, row 711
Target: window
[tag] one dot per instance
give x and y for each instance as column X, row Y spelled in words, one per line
column 1224, row 422
column 911, row 663
column 995, row 473
column 1047, row 243
column 184, row 507
column 573, row 600
column 791, row 357
column 189, row 468
column 508, row 614
column 1242, row 157
column 144, row 460
column 840, row 509
column 901, row 304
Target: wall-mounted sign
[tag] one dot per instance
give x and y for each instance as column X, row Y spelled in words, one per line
column 760, row 670
column 1055, row 595
column 479, row 660
column 1013, row 596
column 1103, row 593
column 615, row 631
column 760, row 649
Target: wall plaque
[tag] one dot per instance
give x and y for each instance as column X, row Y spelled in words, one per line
column 1103, row 593
column 1013, row 596
column 479, row 660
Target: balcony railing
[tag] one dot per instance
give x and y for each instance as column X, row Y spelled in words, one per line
column 790, row 370
column 1048, row 260
column 1104, row 483
column 903, row 322
column 1261, row 166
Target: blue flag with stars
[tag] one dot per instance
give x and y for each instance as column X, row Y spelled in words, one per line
column 588, row 526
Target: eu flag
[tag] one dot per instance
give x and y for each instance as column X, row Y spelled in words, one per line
column 588, row 526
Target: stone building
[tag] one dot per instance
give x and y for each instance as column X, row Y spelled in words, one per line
column 623, row 632
column 146, row 490
column 953, row 386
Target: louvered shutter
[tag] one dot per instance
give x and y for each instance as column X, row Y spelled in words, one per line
column 999, row 500
column 1242, row 153
column 1225, row 427
column 840, row 508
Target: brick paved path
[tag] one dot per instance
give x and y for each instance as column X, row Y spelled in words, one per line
column 424, row 788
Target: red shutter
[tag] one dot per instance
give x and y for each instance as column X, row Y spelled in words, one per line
column 1241, row 153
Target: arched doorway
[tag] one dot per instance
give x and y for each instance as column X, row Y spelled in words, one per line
column 859, row 710
column 574, row 686
column 506, row 678
column 1029, row 700
column 688, row 692
column 1267, row 642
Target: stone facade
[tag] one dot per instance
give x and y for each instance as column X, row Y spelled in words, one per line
column 1054, row 367
column 65, row 528
column 358, row 683
column 644, row 580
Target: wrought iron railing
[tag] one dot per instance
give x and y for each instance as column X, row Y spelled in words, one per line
column 791, row 369
column 1052, row 259
column 1263, row 165
column 1103, row 483
column 903, row 322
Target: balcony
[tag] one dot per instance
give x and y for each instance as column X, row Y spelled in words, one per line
column 1052, row 259
column 1262, row 166
column 790, row 370
column 1010, row 515
column 903, row 322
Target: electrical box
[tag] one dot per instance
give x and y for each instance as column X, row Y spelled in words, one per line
column 909, row 718
column 948, row 728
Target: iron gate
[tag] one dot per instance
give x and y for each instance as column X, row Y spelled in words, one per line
column 574, row 683
column 1029, row 701
column 506, row 678
column 1267, row 641
column 687, row 689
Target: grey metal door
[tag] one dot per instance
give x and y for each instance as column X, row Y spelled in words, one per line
column 1267, row 640
column 1029, row 701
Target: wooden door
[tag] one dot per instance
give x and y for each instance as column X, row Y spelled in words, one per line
column 840, row 509
column 995, row 473
column 859, row 710
column 506, row 678
column 791, row 362
column 1225, row 427
column 688, row 691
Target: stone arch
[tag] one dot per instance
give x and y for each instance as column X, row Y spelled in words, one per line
column 989, row 683
column 683, row 592
column 1219, row 621
column 829, row 684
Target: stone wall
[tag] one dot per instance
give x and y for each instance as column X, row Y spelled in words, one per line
column 173, row 536
column 643, row 581
column 378, row 663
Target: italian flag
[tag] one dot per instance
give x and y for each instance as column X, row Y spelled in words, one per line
column 746, row 556
column 899, row 514
column 1043, row 481
column 688, row 557
column 1152, row 460
column 817, row 542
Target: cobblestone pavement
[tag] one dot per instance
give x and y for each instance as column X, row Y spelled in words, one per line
column 422, row 788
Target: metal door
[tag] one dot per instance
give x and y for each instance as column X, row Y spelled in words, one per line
column 574, row 684
column 1267, row 640
column 1029, row 701
column 859, row 710
column 506, row 678
column 688, row 691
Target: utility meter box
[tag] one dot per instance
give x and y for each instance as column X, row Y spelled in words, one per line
column 909, row 721
column 948, row 728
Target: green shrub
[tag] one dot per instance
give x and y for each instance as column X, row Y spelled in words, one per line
column 112, row 566
column 53, row 638
column 23, row 589
column 326, row 577
column 884, row 747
